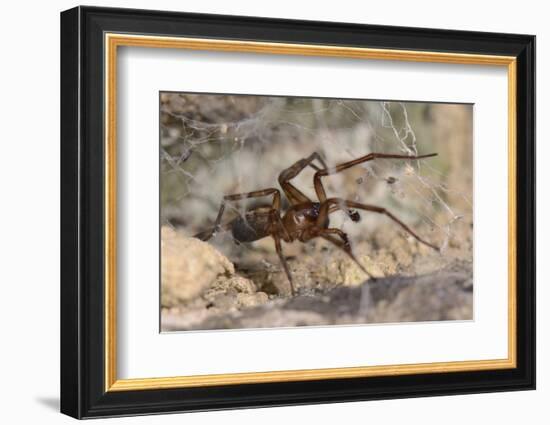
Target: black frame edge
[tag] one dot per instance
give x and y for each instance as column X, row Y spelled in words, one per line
column 70, row 383
column 526, row 210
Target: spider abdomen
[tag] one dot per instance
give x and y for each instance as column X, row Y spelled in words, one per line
column 254, row 225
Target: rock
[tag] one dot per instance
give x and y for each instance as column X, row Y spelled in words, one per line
column 441, row 295
column 188, row 267
column 274, row 319
column 231, row 292
column 252, row 300
column 437, row 296
column 237, row 284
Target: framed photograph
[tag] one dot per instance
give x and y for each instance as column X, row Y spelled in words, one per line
column 261, row 212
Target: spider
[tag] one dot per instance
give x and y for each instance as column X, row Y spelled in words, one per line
column 304, row 219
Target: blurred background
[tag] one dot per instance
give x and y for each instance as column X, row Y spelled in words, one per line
column 214, row 145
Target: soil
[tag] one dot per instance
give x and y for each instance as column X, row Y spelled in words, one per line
column 412, row 283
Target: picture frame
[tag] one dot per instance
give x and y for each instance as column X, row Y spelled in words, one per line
column 91, row 38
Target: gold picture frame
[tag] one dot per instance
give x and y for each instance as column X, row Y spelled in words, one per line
column 114, row 41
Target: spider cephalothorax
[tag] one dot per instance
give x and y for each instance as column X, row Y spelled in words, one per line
column 304, row 219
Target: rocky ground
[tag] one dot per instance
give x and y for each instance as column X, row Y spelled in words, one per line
column 203, row 289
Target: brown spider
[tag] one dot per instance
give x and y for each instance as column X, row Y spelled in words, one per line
column 305, row 219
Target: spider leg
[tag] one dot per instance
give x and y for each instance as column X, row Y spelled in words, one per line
column 320, row 190
column 325, row 208
column 344, row 245
column 294, row 195
column 279, row 249
column 276, row 204
column 207, row 234
column 280, row 229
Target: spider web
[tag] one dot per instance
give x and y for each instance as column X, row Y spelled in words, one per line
column 214, row 145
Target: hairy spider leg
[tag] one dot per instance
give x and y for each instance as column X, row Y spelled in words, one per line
column 320, row 190
column 276, row 205
column 294, row 195
column 344, row 245
column 282, row 258
column 208, row 233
